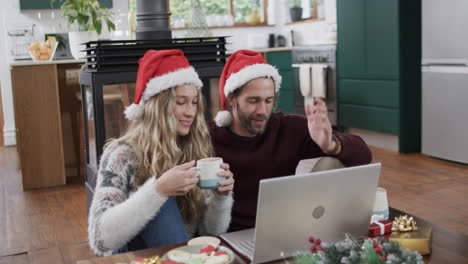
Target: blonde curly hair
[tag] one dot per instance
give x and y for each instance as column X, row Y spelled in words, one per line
column 154, row 137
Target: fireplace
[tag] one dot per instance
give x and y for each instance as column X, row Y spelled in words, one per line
column 108, row 82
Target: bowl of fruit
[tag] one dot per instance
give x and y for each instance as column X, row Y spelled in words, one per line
column 43, row 50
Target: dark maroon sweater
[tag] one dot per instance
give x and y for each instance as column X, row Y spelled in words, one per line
column 276, row 153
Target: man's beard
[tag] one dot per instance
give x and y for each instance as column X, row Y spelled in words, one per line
column 247, row 120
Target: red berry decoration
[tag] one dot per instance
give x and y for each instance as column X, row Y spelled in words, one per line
column 375, row 244
column 378, row 250
column 312, row 248
column 319, row 248
column 383, row 258
column 318, row 241
column 311, row 239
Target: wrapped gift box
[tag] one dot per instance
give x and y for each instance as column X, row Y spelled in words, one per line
column 419, row 240
column 378, row 230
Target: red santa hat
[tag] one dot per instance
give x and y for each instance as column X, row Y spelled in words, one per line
column 242, row 67
column 157, row 72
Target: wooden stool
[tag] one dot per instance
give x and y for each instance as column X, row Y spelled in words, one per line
column 70, row 106
column 115, row 99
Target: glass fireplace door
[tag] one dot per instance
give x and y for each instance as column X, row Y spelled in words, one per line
column 116, row 98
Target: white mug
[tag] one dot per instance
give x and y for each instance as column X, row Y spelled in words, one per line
column 208, row 169
column 381, row 203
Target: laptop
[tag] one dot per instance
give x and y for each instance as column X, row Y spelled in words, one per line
column 324, row 204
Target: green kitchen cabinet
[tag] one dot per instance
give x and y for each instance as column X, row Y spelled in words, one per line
column 368, row 39
column 378, row 68
column 283, row 61
column 45, row 4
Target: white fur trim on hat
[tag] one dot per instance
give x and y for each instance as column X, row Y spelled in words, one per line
column 172, row 79
column 248, row 73
column 223, row 118
column 134, row 111
column 158, row 84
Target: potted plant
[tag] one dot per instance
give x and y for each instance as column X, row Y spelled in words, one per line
column 312, row 3
column 88, row 15
column 295, row 10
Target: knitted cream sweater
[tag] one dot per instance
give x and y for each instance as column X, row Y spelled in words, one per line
column 120, row 210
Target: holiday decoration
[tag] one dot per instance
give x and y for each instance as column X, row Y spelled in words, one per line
column 198, row 26
column 242, row 67
column 419, row 240
column 150, row 260
column 357, row 251
column 207, row 249
column 404, row 224
column 158, row 71
column 379, row 226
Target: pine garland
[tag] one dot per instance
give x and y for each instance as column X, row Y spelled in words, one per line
column 357, row 251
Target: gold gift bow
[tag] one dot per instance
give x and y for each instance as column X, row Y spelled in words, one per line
column 404, row 224
column 152, row 260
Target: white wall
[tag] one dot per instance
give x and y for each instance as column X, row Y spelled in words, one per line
column 9, row 130
column 50, row 21
column 308, row 33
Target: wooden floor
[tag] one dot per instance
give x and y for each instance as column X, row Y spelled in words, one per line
column 41, row 225
column 50, row 225
column 429, row 188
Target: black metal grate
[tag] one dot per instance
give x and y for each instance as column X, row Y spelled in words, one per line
column 123, row 55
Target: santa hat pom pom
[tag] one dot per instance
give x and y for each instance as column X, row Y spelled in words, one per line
column 134, row 111
column 223, row 118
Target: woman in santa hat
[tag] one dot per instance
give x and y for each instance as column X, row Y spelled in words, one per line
column 146, row 192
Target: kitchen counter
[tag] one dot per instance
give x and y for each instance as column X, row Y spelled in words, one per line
column 289, row 48
column 316, row 43
column 47, row 121
column 262, row 50
column 273, row 49
column 31, row 62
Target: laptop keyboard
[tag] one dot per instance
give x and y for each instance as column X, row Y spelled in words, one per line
column 247, row 247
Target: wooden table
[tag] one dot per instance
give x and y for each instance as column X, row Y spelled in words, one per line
column 448, row 246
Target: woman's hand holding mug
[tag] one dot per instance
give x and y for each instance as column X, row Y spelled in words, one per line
column 178, row 180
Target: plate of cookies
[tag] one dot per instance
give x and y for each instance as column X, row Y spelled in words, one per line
column 200, row 254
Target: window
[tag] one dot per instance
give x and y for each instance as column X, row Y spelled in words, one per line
column 219, row 13
column 303, row 10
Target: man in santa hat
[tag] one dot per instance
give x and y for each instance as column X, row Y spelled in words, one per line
column 259, row 143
